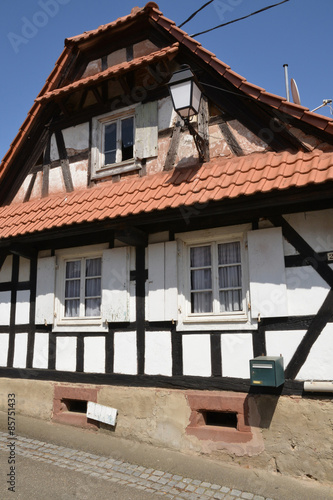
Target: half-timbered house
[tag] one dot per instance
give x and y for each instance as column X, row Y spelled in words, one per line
column 144, row 274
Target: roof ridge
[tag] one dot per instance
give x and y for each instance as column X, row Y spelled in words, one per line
column 135, row 12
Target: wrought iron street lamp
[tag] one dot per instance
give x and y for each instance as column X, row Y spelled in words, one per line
column 186, row 96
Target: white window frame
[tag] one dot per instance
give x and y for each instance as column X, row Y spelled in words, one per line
column 99, row 169
column 213, row 320
column 86, row 323
column 83, row 278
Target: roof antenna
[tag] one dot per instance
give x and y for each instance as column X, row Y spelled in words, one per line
column 325, row 102
column 286, row 80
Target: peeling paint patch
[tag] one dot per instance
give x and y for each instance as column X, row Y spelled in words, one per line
column 56, row 181
column 79, row 173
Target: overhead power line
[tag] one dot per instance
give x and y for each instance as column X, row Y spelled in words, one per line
column 235, row 20
column 195, row 13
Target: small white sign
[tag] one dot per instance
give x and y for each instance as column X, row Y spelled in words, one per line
column 102, row 413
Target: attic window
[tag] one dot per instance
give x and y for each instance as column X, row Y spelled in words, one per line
column 120, row 140
column 114, row 144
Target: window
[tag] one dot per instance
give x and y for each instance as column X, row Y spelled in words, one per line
column 213, row 283
column 91, row 288
column 83, row 291
column 216, row 278
column 114, row 148
column 118, row 139
column 122, row 139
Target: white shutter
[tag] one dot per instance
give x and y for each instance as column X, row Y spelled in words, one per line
column 171, row 289
column 162, row 281
column 115, row 284
column 146, row 130
column 267, row 273
column 45, row 291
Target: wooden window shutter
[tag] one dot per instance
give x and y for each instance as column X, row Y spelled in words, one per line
column 162, row 280
column 115, row 285
column 146, row 130
column 45, row 291
column 267, row 273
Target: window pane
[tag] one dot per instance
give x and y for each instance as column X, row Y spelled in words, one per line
column 93, row 307
column 229, row 253
column 93, row 267
column 201, row 302
column 201, row 279
column 200, row 256
column 110, row 143
column 230, row 277
column 73, row 269
column 72, row 308
column 127, row 138
column 231, row 300
column 93, row 287
column 72, row 289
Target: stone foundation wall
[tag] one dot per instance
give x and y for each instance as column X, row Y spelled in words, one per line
column 289, row 435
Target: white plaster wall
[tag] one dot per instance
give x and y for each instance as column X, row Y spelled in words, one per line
column 56, row 180
column 4, row 343
column 79, row 174
column 66, row 354
column 4, row 308
column 306, row 290
column 125, row 353
column 37, row 188
column 319, row 364
column 237, row 350
column 19, row 197
column 77, row 137
column 284, row 343
column 94, row 354
column 196, row 355
column 315, row 227
column 158, row 357
column 24, row 269
column 22, row 315
column 41, row 351
column 6, row 270
column 20, row 350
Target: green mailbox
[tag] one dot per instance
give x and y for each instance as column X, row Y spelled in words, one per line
column 267, row 371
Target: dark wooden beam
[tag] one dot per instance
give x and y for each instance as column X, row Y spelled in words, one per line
column 173, row 148
column 230, row 138
column 316, row 327
column 26, row 251
column 304, row 249
column 203, row 129
column 131, row 236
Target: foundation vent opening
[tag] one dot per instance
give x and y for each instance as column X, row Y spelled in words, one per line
column 220, row 418
column 75, row 405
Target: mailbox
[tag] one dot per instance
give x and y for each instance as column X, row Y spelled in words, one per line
column 267, row 371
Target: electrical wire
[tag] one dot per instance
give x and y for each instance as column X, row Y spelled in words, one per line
column 195, row 13
column 239, row 19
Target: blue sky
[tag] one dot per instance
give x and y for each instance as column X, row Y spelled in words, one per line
column 298, row 33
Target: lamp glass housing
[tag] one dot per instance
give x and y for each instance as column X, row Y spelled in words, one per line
column 185, row 93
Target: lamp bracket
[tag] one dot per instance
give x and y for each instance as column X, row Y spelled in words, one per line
column 200, row 143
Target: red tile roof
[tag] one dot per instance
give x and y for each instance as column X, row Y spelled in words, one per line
column 117, row 70
column 151, row 9
column 220, row 179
